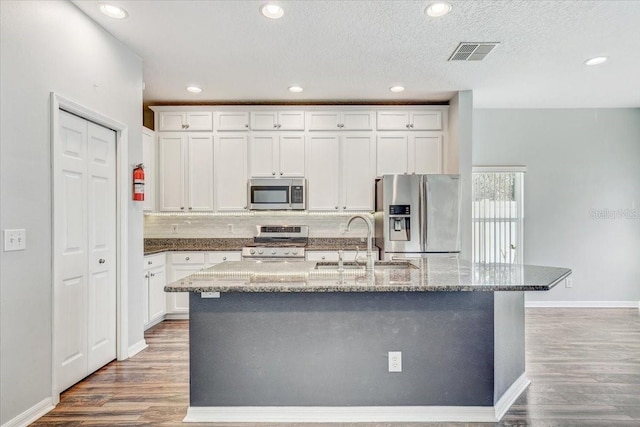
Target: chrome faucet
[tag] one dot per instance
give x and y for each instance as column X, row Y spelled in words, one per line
column 369, row 238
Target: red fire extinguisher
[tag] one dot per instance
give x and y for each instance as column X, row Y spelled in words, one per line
column 138, row 182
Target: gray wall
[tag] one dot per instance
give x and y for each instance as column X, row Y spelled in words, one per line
column 461, row 132
column 330, row 349
column 51, row 46
column 582, row 193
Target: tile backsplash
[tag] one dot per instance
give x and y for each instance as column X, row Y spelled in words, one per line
column 240, row 225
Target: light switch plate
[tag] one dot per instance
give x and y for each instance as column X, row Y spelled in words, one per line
column 15, row 240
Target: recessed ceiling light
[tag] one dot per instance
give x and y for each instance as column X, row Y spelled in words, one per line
column 439, row 8
column 272, row 11
column 296, row 89
column 194, row 89
column 396, row 89
column 112, row 11
column 595, row 61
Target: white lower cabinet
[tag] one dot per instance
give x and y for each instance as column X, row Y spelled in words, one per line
column 332, row 256
column 154, row 306
column 186, row 263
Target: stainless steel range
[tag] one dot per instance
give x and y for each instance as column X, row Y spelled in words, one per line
column 278, row 242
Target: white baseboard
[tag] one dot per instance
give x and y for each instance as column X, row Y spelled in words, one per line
column 176, row 316
column 31, row 414
column 137, row 347
column 583, row 304
column 340, row 414
column 513, row 392
column 154, row 323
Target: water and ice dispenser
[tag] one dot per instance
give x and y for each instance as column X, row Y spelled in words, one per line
column 399, row 222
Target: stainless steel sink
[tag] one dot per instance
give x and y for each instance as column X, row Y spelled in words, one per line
column 380, row 265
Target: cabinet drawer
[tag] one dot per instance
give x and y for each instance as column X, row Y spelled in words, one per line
column 332, row 256
column 218, row 257
column 187, row 258
column 152, row 261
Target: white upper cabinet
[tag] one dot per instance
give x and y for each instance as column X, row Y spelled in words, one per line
column 276, row 155
column 277, row 120
column 232, row 121
column 409, row 153
column 340, row 174
column 149, row 162
column 185, row 169
column 409, row 120
column 185, row 120
column 230, row 167
column 340, row 120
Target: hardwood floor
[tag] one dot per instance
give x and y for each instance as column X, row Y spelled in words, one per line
column 584, row 367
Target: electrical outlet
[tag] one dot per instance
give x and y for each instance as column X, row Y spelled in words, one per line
column 230, row 228
column 15, row 240
column 174, row 228
column 568, row 282
column 395, row 361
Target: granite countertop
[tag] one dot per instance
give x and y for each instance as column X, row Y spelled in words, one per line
column 442, row 274
column 154, row 246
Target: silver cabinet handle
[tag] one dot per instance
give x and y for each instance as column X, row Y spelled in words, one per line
column 244, row 207
column 323, row 257
column 275, row 126
column 190, row 208
column 280, row 173
column 279, row 126
column 247, row 125
column 411, row 125
column 150, row 262
column 101, row 261
column 224, row 258
column 336, row 207
column 146, row 276
column 182, row 207
column 152, row 274
column 407, row 125
column 187, row 126
column 344, row 207
column 186, row 258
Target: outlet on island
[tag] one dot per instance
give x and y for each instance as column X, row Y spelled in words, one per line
column 395, row 361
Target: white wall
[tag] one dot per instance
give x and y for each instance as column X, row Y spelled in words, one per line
column 50, row 46
column 580, row 163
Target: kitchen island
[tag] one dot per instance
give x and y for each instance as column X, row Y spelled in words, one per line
column 278, row 342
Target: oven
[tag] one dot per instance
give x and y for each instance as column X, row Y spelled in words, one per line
column 277, row 194
column 277, row 243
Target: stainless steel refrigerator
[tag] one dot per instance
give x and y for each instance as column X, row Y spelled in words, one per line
column 417, row 215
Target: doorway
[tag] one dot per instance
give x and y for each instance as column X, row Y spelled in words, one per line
column 89, row 217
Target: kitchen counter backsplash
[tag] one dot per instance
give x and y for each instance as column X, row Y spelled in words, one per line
column 218, row 227
column 152, row 246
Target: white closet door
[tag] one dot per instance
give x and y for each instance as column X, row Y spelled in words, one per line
column 102, row 246
column 84, row 234
column 70, row 283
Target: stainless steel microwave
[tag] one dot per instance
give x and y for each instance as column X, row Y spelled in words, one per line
column 277, row 194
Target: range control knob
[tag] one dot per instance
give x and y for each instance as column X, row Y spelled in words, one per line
column 252, row 251
column 260, row 251
column 286, row 252
column 273, row 252
column 295, row 252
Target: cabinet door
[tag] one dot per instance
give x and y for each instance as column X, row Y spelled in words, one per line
column 393, row 120
column 323, row 172
column 149, row 162
column 231, row 172
column 357, row 120
column 232, row 121
column 427, row 153
column 171, row 120
column 178, row 302
column 324, row 120
column 392, row 153
column 200, row 120
column 200, row 171
column 291, row 120
column 261, row 155
column 171, row 172
column 291, row 155
column 426, row 120
column 357, row 176
column 264, row 120
column 156, row 295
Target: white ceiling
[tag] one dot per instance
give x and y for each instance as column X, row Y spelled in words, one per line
column 355, row 50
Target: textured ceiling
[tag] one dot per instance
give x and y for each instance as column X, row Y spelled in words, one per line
column 355, row 50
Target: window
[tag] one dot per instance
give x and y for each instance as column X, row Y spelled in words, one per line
column 497, row 214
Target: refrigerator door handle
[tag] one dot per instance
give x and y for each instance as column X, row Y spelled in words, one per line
column 425, row 215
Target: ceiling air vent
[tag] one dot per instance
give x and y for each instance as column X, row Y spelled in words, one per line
column 472, row 51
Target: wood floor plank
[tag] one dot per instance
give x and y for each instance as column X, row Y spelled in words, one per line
column 584, row 365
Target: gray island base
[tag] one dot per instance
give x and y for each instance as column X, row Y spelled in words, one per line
column 301, row 356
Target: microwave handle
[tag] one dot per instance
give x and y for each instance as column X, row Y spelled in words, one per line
column 290, row 196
